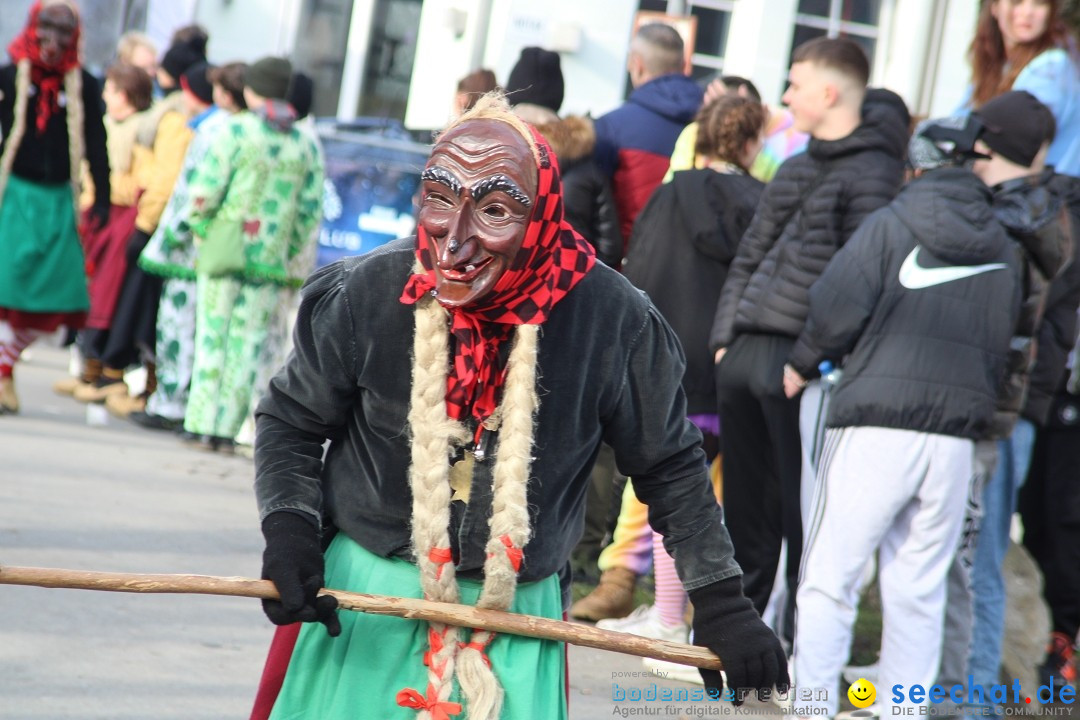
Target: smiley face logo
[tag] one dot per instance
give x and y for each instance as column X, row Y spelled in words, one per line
column 862, row 693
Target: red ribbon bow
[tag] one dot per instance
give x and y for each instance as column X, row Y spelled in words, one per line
column 440, row 556
column 440, row 710
column 514, row 553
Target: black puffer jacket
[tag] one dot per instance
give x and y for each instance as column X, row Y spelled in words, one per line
column 925, row 299
column 1034, row 216
column 588, row 201
column 682, row 245
column 807, row 212
column 1057, row 332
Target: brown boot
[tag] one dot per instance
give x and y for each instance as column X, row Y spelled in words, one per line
column 612, row 598
column 9, row 401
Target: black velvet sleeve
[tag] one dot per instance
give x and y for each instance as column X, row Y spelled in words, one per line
column 7, row 103
column 95, row 150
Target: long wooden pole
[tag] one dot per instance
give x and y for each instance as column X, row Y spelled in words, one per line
column 410, row 608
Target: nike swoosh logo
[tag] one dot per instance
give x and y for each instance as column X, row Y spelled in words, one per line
column 914, row 276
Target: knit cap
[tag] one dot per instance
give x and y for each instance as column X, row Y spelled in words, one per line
column 536, row 79
column 179, row 59
column 269, row 78
column 197, row 82
column 1015, row 126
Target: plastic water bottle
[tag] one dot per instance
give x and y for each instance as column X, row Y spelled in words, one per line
column 830, row 374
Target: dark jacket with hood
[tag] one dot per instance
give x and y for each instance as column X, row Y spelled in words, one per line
column 588, row 202
column 683, row 243
column 925, row 298
column 1057, row 331
column 634, row 142
column 806, row 214
column 1033, row 214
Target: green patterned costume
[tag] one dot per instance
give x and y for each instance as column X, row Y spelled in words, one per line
column 269, row 181
column 171, row 254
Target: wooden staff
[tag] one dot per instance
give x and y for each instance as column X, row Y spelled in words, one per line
column 410, row 608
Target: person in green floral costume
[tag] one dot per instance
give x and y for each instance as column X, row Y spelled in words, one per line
column 171, row 254
column 264, row 177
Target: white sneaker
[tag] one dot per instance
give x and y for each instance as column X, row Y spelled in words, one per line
column 674, row 671
column 852, row 673
column 645, row 621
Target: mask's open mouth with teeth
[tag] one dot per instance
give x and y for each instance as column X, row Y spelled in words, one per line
column 464, row 271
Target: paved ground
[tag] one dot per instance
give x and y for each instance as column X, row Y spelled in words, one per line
column 119, row 498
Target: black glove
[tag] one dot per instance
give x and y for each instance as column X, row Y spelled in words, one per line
column 99, row 216
column 727, row 624
column 135, row 246
column 294, row 561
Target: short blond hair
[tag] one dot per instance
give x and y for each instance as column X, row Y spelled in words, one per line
column 131, row 40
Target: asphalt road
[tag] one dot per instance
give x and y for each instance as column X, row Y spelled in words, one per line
column 119, row 498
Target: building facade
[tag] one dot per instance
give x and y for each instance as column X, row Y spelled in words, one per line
column 402, row 58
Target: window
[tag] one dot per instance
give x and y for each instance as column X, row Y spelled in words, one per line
column 855, row 19
column 320, row 49
column 388, row 71
column 713, row 22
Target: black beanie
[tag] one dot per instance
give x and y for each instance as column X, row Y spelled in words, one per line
column 179, row 59
column 1015, row 126
column 196, row 81
column 301, row 94
column 537, row 79
column 269, row 77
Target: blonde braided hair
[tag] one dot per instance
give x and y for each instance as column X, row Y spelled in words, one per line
column 435, row 438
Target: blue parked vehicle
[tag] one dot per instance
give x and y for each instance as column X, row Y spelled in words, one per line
column 373, row 170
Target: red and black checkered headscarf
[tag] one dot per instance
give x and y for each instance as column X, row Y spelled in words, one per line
column 553, row 259
column 48, row 78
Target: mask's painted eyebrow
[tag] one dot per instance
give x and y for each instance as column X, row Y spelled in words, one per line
column 443, row 177
column 503, row 183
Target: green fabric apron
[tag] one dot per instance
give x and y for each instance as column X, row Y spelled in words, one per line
column 43, row 269
column 358, row 674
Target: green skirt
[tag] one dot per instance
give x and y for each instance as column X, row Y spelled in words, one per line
column 359, row 673
column 43, row 269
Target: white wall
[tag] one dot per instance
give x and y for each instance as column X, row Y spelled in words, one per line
column 247, row 30
column 759, row 43
column 953, row 71
column 594, row 74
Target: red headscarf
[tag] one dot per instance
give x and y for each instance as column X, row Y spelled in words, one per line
column 48, row 78
column 553, row 259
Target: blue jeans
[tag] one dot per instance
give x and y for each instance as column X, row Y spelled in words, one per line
column 999, row 504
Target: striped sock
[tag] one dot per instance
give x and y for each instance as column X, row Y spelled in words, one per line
column 10, row 350
column 671, row 599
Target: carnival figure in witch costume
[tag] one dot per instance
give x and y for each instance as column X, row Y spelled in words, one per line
column 50, row 119
column 466, row 379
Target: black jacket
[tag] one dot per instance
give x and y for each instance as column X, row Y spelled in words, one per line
column 46, row 158
column 682, row 245
column 1034, row 216
column 925, row 298
column 806, row 213
column 608, row 371
column 588, row 202
column 1057, row 332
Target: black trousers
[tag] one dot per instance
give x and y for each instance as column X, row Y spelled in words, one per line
column 1050, row 507
column 762, row 464
column 133, row 335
